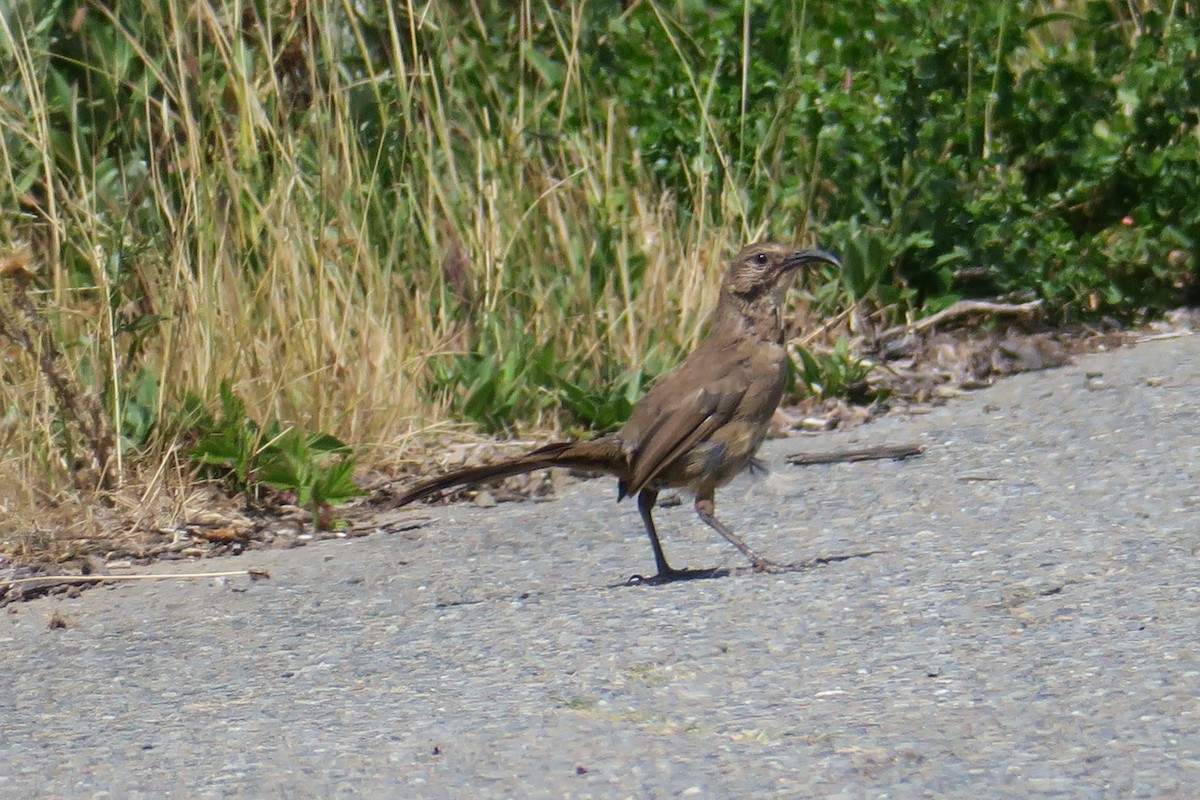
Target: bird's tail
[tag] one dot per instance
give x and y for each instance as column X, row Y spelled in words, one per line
column 605, row 454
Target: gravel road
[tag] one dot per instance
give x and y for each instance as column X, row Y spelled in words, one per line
column 1021, row 621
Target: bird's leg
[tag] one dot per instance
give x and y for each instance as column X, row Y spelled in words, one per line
column 705, row 508
column 646, row 500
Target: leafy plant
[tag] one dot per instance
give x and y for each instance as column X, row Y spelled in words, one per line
column 228, row 443
column 316, row 468
column 305, row 465
column 601, row 405
column 837, row 373
column 498, row 383
column 140, row 409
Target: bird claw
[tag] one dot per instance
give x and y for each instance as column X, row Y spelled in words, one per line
column 673, row 575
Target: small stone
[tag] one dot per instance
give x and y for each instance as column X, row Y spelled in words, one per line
column 485, row 500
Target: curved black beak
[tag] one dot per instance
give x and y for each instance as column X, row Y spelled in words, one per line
column 810, row 255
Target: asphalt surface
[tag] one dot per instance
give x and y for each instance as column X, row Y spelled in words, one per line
column 1019, row 619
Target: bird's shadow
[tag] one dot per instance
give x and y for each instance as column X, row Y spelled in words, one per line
column 684, row 575
column 680, row 576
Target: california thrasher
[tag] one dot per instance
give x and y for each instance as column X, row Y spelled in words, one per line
column 701, row 423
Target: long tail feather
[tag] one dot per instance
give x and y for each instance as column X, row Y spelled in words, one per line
column 601, row 454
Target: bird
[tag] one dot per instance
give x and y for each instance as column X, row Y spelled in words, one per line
column 701, row 423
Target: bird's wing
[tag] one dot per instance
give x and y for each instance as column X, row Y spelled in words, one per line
column 678, row 425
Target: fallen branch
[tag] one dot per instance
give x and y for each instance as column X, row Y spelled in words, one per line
column 253, row 574
column 1158, row 337
column 896, row 451
column 961, row 309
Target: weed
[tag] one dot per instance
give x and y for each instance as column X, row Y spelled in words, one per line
column 837, row 373
column 230, row 442
column 250, row 456
column 305, row 465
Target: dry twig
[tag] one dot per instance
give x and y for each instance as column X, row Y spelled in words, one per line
column 896, row 451
column 253, row 574
column 961, row 309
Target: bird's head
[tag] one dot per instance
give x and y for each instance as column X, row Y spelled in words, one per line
column 765, row 267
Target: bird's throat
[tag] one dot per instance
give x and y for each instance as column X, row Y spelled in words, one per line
column 757, row 318
column 749, row 317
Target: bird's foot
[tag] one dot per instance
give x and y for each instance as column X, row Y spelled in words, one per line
column 670, row 575
column 764, row 565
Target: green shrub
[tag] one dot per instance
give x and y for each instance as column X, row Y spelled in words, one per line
column 1051, row 152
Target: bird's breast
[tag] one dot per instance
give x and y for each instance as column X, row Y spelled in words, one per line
column 769, row 370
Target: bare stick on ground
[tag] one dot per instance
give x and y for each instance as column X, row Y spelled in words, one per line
column 961, row 309
column 896, row 451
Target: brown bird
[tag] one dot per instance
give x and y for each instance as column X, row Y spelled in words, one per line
column 701, row 423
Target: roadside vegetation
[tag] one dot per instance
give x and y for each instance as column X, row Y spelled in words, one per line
column 270, row 241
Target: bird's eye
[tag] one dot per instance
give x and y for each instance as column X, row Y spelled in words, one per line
column 760, row 259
